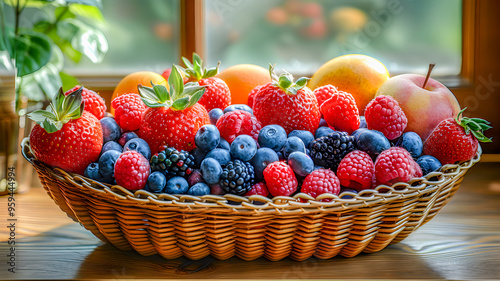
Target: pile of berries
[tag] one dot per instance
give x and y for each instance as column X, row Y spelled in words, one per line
column 190, row 140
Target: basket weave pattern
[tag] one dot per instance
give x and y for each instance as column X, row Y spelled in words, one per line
column 250, row 227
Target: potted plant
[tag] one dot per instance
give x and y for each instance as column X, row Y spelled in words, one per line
column 37, row 36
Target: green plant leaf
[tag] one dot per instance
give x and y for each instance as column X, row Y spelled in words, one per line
column 33, row 51
column 95, row 3
column 196, row 96
column 181, row 104
column 162, row 93
column 187, row 63
column 68, row 81
column 89, row 41
column 86, row 11
column 302, row 81
column 285, row 82
column 147, row 93
column 48, row 79
column 51, row 126
column 29, row 3
column 38, row 116
column 176, row 83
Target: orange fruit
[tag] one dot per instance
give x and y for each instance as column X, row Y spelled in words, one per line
column 359, row 75
column 130, row 82
column 242, row 78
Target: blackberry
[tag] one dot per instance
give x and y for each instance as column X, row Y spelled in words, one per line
column 237, row 177
column 172, row 162
column 328, row 151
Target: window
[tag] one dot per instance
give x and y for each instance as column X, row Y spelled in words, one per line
column 301, row 35
column 142, row 35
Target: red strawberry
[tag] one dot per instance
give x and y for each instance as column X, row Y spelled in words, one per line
column 324, row 93
column 455, row 140
column 384, row 115
column 173, row 117
column 252, row 94
column 132, row 170
column 280, row 179
column 217, row 94
column 238, row 122
column 66, row 136
column 258, row 189
column 356, row 170
column 341, row 112
column 93, row 102
column 321, row 181
column 291, row 105
column 395, row 165
column 128, row 111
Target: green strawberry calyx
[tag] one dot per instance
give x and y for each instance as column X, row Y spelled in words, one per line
column 195, row 70
column 475, row 126
column 61, row 110
column 285, row 81
column 179, row 97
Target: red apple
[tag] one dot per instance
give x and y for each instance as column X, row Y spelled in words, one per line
column 425, row 104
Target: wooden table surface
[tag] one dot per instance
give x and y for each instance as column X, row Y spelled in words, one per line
column 461, row 242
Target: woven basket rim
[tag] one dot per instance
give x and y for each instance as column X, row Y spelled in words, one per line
column 255, row 204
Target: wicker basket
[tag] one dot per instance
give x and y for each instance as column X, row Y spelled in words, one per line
column 250, row 227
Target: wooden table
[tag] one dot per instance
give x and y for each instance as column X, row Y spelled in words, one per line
column 461, row 242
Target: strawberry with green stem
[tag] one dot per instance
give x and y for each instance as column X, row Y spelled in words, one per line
column 289, row 104
column 66, row 135
column 173, row 117
column 456, row 140
column 217, row 93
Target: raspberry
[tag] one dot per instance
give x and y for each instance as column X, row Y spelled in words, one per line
column 324, row 93
column 395, row 165
column 280, row 179
column 341, row 112
column 356, row 170
column 238, row 122
column 93, row 102
column 132, row 170
column 128, row 111
column 384, row 114
column 319, row 182
column 252, row 94
column 258, row 189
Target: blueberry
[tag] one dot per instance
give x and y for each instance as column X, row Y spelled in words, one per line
column 293, row 144
column 138, row 145
column 207, row 138
column 107, row 163
column 280, row 156
column 211, row 170
column 323, row 131
column 428, row 164
column 243, row 147
column 224, row 144
column 92, row 172
column 125, row 137
column 306, row 136
column 234, row 107
column 221, row 155
column 110, row 129
column 412, row 142
column 156, row 182
column 111, row 145
column 355, row 133
column 214, row 115
column 372, row 142
column 362, row 122
column 177, row 185
column 272, row 136
column 262, row 158
column 198, row 155
column 322, row 123
column 301, row 163
column 199, row 189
